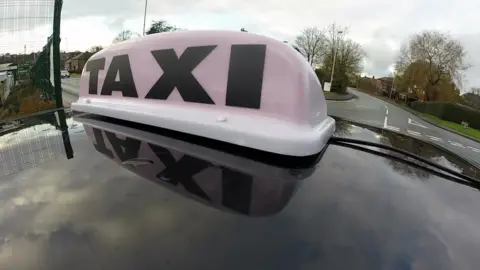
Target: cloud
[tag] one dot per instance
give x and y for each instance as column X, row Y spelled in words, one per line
column 380, row 26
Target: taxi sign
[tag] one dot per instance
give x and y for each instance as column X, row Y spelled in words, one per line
column 235, row 87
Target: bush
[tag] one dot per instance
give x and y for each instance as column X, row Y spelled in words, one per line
column 449, row 112
column 340, row 81
column 322, row 76
column 367, row 84
column 24, row 100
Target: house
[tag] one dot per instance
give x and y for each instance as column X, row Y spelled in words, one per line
column 413, row 93
column 384, row 84
column 75, row 64
column 8, row 67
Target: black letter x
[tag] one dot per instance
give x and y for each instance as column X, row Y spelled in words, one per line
column 177, row 72
column 181, row 171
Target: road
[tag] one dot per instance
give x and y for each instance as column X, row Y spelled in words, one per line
column 375, row 112
column 71, row 85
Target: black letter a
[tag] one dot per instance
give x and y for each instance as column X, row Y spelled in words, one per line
column 120, row 64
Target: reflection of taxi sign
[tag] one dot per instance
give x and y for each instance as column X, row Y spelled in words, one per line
column 236, row 87
column 215, row 178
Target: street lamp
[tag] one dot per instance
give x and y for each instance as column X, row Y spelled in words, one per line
column 334, row 56
column 145, row 16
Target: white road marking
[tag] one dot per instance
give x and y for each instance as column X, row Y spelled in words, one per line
column 392, row 128
column 386, row 117
column 474, row 149
column 434, row 138
column 415, row 123
column 414, row 133
column 385, row 125
column 456, row 144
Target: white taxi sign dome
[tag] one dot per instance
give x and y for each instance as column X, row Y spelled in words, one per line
column 235, row 87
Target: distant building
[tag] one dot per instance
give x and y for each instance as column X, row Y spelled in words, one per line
column 8, row 67
column 75, row 64
column 384, row 84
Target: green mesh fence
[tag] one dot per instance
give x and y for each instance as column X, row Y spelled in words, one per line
column 26, row 38
column 33, row 126
column 39, row 73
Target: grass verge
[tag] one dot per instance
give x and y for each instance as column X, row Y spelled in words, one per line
column 467, row 131
column 75, row 75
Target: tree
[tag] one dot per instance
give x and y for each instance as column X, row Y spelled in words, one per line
column 444, row 59
column 161, row 27
column 348, row 60
column 311, row 44
column 95, row 49
column 472, row 98
column 416, row 75
column 475, row 91
column 124, row 35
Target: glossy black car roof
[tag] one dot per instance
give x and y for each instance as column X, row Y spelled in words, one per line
column 133, row 199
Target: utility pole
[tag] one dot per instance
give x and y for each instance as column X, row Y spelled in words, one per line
column 391, row 87
column 145, row 16
column 335, row 43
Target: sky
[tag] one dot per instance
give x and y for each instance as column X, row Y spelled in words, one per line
column 380, row 26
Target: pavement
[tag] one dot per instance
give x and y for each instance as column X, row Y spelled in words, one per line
column 376, row 112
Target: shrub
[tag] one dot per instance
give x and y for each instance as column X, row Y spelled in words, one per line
column 449, row 112
column 24, row 100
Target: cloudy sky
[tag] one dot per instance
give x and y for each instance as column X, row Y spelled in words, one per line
column 379, row 26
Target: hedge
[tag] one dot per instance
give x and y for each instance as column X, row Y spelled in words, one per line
column 449, row 112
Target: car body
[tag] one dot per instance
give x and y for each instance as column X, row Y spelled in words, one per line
column 65, row 74
column 137, row 197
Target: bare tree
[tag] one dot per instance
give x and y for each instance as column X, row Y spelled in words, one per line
column 95, row 49
column 444, row 56
column 349, row 55
column 311, row 44
column 475, row 91
column 124, row 35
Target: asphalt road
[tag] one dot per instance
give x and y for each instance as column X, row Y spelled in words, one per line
column 70, row 85
column 375, row 112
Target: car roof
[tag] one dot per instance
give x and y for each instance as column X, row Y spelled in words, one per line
column 137, row 198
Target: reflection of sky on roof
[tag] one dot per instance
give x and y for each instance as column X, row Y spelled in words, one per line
column 35, row 133
column 31, row 146
column 90, row 211
column 441, row 160
column 27, row 134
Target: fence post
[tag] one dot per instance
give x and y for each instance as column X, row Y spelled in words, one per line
column 57, row 14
